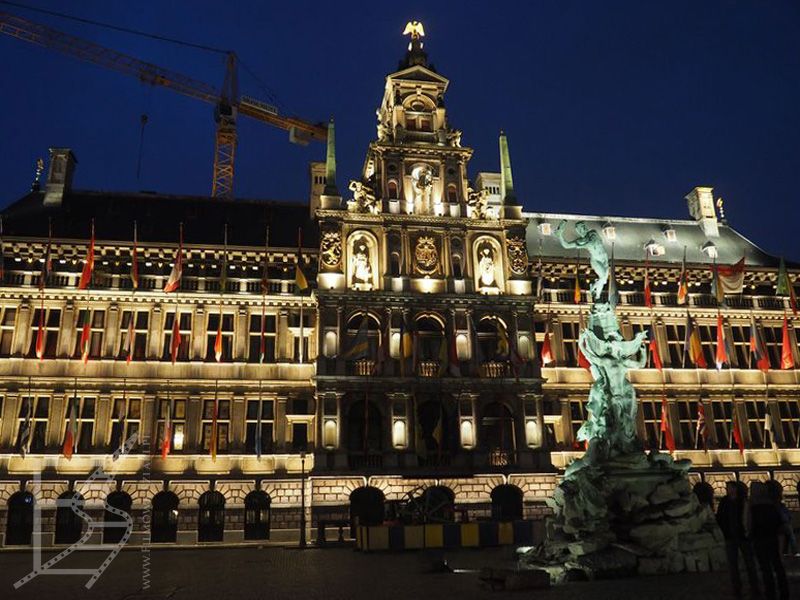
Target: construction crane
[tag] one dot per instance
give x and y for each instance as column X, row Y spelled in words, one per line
column 228, row 105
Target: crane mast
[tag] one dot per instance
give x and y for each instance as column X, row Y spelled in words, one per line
column 227, row 103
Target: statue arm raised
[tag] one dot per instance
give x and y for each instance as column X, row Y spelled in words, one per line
column 559, row 233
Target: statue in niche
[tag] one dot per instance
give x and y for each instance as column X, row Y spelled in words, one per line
column 486, row 266
column 422, row 179
column 477, row 202
column 361, row 278
column 598, row 257
column 363, row 196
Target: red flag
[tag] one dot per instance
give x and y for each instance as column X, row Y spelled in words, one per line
column 758, row 347
column 72, row 431
column 40, row 334
column 176, row 336
column 787, row 356
column 683, row 283
column 583, row 362
column 721, row 357
column 130, row 341
column 702, row 430
column 648, row 295
column 653, row 345
column 86, row 332
column 737, row 433
column 134, row 261
column 666, row 428
column 547, row 351
column 88, row 266
column 167, row 441
column 218, row 341
column 174, row 281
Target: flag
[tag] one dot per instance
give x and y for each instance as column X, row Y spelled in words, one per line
column 70, row 439
column 758, row 348
column 648, row 294
column 134, row 261
column 692, row 346
column 25, row 433
column 119, row 442
column 787, row 355
column 768, row 430
column 724, row 352
column 576, row 296
column 262, row 346
column 737, row 432
column 212, row 444
column 41, row 335
column 47, row 264
column 129, row 343
column 167, row 441
column 406, row 345
column 360, row 347
column 218, row 340
column 785, row 286
column 88, row 265
column 503, row 347
column 547, row 351
column 86, row 334
column 174, row 281
column 683, row 284
column 299, row 276
column 653, row 345
column 613, row 292
column 539, row 280
column 666, row 428
column 727, row 279
column 702, row 430
column 583, row 362
column 175, row 343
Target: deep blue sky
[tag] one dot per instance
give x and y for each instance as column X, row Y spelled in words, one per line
column 613, row 107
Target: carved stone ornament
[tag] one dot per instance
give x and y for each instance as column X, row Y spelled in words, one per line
column 426, row 256
column 330, row 249
column 517, row 255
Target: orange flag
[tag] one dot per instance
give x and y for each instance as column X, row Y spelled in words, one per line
column 787, row 355
column 737, row 433
column 176, row 336
column 666, row 428
column 72, row 431
column 88, row 266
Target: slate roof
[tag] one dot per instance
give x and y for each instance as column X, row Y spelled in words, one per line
column 157, row 217
column 632, row 234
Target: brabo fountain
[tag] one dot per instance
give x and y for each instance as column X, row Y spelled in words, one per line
column 620, row 510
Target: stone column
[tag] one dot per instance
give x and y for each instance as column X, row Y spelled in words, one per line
column 112, row 333
column 104, row 419
column 280, row 423
column 283, row 341
column 237, row 423
column 68, row 337
column 241, row 334
column 199, row 328
column 194, row 422
column 8, row 420
column 24, row 329
column 54, row 437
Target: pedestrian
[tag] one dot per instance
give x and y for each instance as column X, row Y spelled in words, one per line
column 789, row 544
column 730, row 517
column 766, row 527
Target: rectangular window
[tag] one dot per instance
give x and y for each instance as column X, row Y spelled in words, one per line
column 569, row 335
column 227, row 337
column 52, row 324
column 577, row 410
column 254, row 345
column 267, row 410
column 127, row 419
column 141, row 321
column 223, row 424
column 687, row 423
column 789, row 412
column 177, row 420
column 8, row 318
column 722, row 410
column 773, row 338
column 85, row 416
column 755, row 410
column 96, row 320
column 741, row 346
column 299, row 437
column 651, row 415
column 40, row 412
column 675, row 341
column 185, row 327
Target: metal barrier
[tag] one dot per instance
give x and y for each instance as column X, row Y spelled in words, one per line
column 478, row 534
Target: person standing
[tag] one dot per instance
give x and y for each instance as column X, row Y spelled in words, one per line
column 730, row 517
column 766, row 527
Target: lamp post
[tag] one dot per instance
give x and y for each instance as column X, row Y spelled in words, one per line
column 302, row 499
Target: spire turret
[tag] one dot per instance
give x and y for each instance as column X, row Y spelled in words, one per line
column 330, row 162
column 506, row 179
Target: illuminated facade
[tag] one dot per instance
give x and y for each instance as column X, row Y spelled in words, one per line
column 414, row 360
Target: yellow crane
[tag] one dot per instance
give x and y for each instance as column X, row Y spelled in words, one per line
column 228, row 105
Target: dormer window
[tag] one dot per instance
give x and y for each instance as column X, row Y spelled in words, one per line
column 609, row 231
column 670, row 233
column 653, row 248
column 710, row 250
column 545, row 228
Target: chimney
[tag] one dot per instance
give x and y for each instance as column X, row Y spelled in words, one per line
column 59, row 176
column 701, row 206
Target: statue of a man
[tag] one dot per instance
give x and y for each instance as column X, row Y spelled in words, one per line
column 362, row 271
column 486, row 267
column 598, row 257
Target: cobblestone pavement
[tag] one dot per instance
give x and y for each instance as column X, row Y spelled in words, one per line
column 332, row 574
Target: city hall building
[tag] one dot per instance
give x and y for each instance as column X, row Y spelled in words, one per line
column 433, row 352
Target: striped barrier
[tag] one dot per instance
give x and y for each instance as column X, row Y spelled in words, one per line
column 444, row 535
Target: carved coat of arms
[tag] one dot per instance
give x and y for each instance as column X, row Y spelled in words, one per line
column 426, row 256
column 517, row 255
column 330, row 249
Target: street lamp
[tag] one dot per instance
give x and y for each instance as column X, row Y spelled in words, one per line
column 302, row 499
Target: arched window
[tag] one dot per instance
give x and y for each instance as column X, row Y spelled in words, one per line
column 257, row 515
column 211, row 517
column 366, row 507
column 458, row 271
column 392, row 189
column 364, row 434
column 363, row 337
column 452, row 194
column 165, row 517
column 394, row 264
column 492, row 339
column 116, row 524
column 506, row 503
column 497, row 434
column 435, row 433
column 69, row 523
column 19, row 527
column 430, row 337
column 439, row 503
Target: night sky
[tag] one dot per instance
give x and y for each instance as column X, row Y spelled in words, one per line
column 615, row 108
